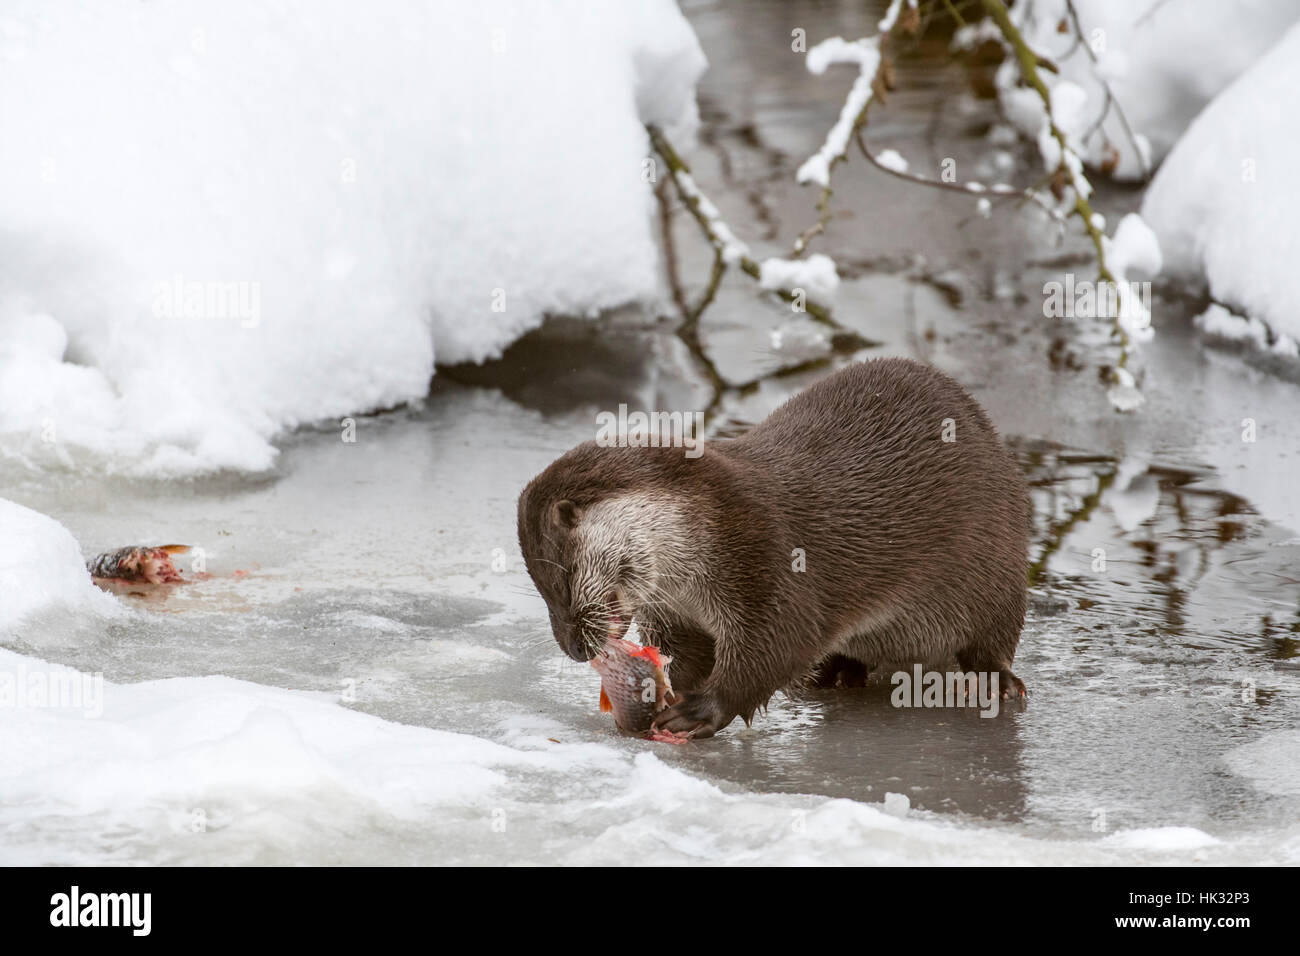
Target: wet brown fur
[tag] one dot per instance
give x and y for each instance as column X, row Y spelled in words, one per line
column 916, row 548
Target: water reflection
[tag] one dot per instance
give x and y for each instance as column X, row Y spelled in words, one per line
column 1160, row 545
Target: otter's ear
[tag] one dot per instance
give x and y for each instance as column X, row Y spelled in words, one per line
column 566, row 514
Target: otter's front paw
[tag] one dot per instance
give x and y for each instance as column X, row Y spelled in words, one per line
column 695, row 715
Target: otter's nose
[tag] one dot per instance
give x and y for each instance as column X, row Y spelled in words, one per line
column 573, row 645
column 579, row 651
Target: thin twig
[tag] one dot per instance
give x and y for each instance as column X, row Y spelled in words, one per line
column 996, row 191
column 719, row 269
column 670, row 248
column 971, row 190
column 953, row 10
column 1111, row 101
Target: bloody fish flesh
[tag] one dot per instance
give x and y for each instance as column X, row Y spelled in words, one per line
column 634, row 685
column 150, row 564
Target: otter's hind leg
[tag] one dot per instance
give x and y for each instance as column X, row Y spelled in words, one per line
column 992, row 646
column 838, row 671
column 978, row 659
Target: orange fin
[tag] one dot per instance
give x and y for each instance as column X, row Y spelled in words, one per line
column 650, row 653
column 605, row 705
column 174, row 548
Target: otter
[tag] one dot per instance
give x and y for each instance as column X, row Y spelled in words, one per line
column 875, row 518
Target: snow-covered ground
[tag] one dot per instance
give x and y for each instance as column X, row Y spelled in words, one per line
column 220, row 220
column 215, row 770
column 1225, row 205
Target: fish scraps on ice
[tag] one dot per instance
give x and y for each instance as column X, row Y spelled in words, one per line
column 152, row 565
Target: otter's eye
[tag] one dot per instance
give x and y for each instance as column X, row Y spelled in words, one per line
column 561, row 586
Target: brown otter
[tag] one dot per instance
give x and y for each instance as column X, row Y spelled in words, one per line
column 874, row 518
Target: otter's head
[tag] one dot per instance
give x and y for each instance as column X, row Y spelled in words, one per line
column 586, row 544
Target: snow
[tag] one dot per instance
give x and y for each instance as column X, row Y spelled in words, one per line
column 973, row 34
column 800, row 341
column 43, row 577
column 892, row 159
column 1068, row 103
column 1124, row 394
column 231, row 755
column 1162, row 61
column 1218, row 323
column 1224, row 203
column 1133, row 249
column 891, row 15
column 1162, row 838
column 1133, row 252
column 865, row 54
column 228, row 219
column 816, row 275
column 215, row 770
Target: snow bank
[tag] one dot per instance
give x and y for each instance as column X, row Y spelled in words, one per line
column 43, row 580
column 219, row 220
column 1162, row 61
column 253, row 769
column 1224, row 204
column 214, row 770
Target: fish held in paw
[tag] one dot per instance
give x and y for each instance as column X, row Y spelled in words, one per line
column 634, row 687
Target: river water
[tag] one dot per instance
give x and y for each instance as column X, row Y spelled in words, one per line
column 1165, row 686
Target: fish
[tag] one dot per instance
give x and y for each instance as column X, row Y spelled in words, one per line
column 140, row 563
column 634, row 687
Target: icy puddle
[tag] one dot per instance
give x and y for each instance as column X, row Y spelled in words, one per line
column 381, row 579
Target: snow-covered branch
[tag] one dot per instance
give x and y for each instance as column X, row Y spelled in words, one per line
column 728, row 249
column 1132, row 321
column 870, row 56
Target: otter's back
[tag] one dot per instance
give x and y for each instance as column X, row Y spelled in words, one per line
column 896, row 464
